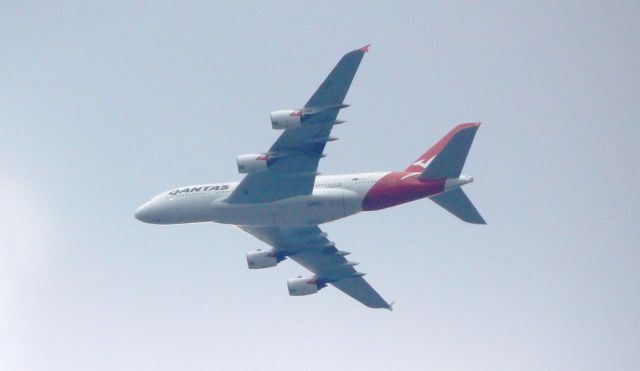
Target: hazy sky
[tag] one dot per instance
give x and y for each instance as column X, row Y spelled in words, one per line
column 104, row 105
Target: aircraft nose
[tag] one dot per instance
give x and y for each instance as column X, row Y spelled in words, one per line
column 143, row 213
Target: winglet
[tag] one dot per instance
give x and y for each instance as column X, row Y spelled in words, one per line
column 390, row 307
column 365, row 48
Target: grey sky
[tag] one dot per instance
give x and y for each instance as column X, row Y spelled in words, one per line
column 104, row 105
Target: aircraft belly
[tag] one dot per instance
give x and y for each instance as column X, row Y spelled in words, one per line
column 190, row 210
column 323, row 206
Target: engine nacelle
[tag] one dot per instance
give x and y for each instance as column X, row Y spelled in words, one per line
column 302, row 286
column 252, row 163
column 286, row 119
column 261, row 259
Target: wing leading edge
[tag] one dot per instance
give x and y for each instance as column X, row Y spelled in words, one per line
column 310, row 247
column 297, row 151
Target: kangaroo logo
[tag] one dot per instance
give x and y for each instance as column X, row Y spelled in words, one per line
column 422, row 163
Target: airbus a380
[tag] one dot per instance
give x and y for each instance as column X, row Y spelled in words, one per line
column 282, row 198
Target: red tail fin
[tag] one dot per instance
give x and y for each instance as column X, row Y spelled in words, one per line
column 422, row 162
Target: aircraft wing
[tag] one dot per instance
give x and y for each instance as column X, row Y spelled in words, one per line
column 298, row 150
column 310, row 247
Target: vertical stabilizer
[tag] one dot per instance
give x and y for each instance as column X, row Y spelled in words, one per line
column 450, row 153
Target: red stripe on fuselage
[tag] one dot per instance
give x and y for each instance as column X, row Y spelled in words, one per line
column 399, row 187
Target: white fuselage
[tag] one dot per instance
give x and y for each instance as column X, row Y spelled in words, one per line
column 334, row 197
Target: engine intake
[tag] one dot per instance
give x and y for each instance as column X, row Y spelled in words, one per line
column 252, row 163
column 303, row 286
column 286, row 119
column 262, row 259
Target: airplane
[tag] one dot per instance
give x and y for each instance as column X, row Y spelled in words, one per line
column 282, row 199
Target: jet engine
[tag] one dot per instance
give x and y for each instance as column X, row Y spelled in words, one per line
column 286, row 119
column 262, row 259
column 252, row 163
column 303, row 286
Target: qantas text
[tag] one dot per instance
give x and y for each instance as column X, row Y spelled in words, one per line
column 200, row 189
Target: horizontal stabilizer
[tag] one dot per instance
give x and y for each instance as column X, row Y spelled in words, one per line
column 457, row 203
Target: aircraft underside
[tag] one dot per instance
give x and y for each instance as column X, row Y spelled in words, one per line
column 322, row 206
column 281, row 200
